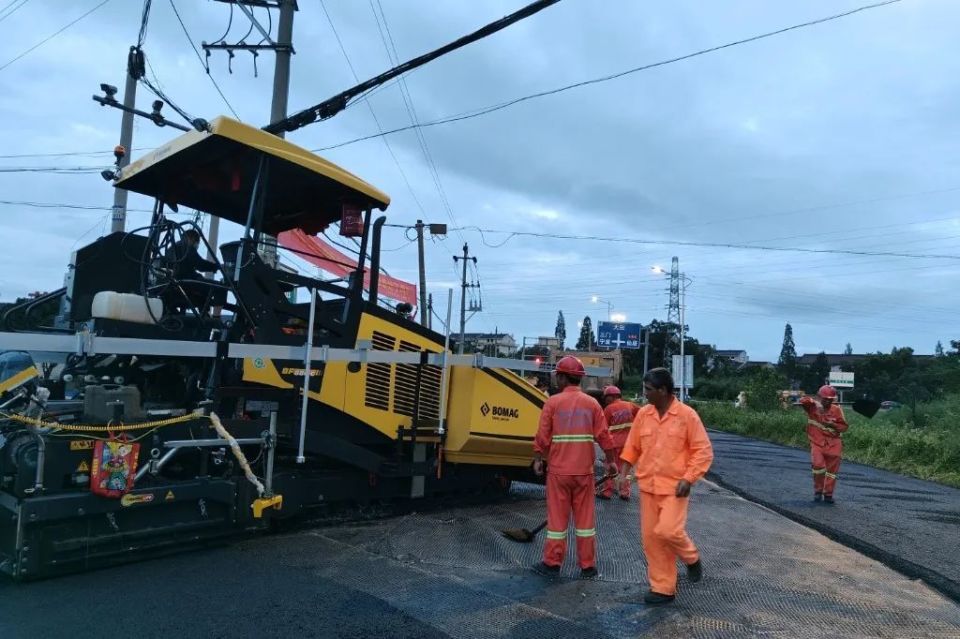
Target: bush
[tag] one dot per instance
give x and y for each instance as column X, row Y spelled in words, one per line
column 763, row 390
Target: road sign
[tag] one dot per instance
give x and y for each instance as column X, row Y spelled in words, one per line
column 618, row 335
column 840, row 380
column 687, row 371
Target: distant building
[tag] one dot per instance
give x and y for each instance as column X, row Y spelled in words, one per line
column 838, row 360
column 758, row 364
column 549, row 343
column 493, row 344
column 734, row 358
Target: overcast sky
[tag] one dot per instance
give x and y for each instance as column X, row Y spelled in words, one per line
column 842, row 136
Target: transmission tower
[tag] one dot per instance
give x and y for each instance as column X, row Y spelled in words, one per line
column 672, row 346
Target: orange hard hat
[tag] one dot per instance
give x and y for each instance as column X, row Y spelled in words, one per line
column 827, row 392
column 570, row 365
column 611, row 390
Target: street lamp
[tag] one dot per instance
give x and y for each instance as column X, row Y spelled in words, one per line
column 596, row 300
column 684, row 281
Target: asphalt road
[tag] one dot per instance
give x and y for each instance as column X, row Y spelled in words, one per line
column 908, row 524
column 451, row 574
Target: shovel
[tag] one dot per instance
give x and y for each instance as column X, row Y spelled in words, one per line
column 866, row 407
column 524, row 536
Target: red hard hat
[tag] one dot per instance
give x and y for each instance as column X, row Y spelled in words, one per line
column 570, row 365
column 611, row 390
column 827, row 392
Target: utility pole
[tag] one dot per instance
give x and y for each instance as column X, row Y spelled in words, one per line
column 119, row 220
column 430, row 311
column 283, row 47
column 424, row 316
column 463, row 294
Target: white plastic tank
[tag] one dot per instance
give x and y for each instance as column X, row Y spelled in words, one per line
column 126, row 307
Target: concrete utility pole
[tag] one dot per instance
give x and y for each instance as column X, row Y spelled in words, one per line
column 281, row 83
column 424, row 312
column 463, row 295
column 281, row 91
column 119, row 220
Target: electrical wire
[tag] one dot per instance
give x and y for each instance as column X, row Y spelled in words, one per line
column 606, row 78
column 64, row 205
column 51, row 36
column 728, row 245
column 372, row 112
column 14, row 10
column 202, row 63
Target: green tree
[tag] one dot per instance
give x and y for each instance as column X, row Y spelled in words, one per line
column 788, row 353
column 938, row 351
column 587, row 341
column 817, row 374
column 848, row 350
column 763, row 389
column 560, row 332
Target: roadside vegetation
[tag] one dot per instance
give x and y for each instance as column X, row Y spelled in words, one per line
column 891, row 439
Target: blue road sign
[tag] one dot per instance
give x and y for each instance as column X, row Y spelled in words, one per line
column 618, row 335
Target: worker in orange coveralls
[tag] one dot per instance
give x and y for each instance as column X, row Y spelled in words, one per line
column 570, row 423
column 671, row 450
column 825, row 423
column 619, row 414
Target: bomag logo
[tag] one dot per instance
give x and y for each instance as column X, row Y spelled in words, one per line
column 499, row 413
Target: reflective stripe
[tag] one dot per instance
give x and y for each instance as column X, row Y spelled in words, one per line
column 621, row 426
column 820, row 471
column 826, row 429
column 572, row 438
column 830, row 475
column 553, row 534
column 585, row 532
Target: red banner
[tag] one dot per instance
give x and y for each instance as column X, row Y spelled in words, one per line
column 321, row 254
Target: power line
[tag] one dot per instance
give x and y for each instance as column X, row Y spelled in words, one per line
column 376, row 120
column 411, row 110
column 52, row 36
column 627, row 240
column 62, row 205
column 200, row 59
column 503, row 105
column 14, row 10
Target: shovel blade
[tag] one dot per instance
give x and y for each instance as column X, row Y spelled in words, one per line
column 521, row 535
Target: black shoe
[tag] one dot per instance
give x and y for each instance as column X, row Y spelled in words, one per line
column 655, row 598
column 624, row 498
column 588, row 573
column 817, row 496
column 828, row 499
column 602, row 496
column 695, row 571
column 546, row 569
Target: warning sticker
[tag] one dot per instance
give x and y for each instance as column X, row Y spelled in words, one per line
column 170, row 496
column 84, row 467
column 81, row 444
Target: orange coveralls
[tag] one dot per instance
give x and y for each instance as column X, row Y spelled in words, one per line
column 569, row 424
column 665, row 450
column 619, row 414
column 826, row 447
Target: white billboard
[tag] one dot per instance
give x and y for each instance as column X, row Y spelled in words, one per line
column 840, row 379
column 687, row 373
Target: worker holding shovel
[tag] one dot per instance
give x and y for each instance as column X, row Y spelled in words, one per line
column 570, row 423
column 620, row 415
column 825, row 424
column 671, row 450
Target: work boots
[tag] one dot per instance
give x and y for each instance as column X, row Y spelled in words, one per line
column 655, row 598
column 695, row 571
column 828, row 499
column 817, row 496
